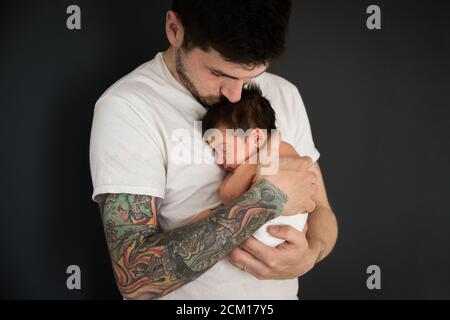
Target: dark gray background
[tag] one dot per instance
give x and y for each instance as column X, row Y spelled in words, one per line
column 378, row 103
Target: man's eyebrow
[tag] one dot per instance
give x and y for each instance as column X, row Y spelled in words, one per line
column 223, row 74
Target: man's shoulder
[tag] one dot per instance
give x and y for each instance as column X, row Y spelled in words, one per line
column 272, row 84
column 141, row 82
column 283, row 95
column 132, row 98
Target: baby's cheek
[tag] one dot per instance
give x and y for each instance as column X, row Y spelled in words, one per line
column 229, row 158
column 218, row 156
column 234, row 155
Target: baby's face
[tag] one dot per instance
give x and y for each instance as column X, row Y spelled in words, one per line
column 232, row 150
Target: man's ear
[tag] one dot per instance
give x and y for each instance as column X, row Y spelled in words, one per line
column 174, row 29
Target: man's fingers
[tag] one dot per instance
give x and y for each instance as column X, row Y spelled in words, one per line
column 296, row 163
column 311, row 177
column 310, row 206
column 286, row 232
column 307, row 162
column 248, row 263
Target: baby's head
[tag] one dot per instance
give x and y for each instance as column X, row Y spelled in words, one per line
column 251, row 119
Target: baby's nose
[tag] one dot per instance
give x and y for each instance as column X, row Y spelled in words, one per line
column 228, row 167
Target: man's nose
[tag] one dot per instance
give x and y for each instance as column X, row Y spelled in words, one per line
column 232, row 90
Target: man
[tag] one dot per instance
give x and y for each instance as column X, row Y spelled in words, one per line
column 146, row 195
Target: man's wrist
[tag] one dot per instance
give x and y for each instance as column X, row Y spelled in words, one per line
column 268, row 194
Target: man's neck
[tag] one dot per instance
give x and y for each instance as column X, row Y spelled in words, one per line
column 169, row 60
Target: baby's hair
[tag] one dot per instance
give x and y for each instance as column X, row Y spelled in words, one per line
column 251, row 112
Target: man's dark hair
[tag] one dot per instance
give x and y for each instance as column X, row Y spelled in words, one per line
column 250, row 32
column 251, row 112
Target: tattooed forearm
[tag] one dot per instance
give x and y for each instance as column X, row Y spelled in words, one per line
column 149, row 263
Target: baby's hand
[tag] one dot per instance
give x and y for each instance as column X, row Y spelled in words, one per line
column 200, row 216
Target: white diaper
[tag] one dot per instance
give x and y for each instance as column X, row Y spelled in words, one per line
column 297, row 221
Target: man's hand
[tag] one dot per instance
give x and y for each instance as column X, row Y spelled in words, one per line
column 297, row 181
column 291, row 259
column 299, row 253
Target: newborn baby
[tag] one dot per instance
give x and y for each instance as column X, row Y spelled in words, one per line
column 240, row 151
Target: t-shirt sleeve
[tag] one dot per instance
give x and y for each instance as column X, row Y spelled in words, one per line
column 126, row 153
column 301, row 136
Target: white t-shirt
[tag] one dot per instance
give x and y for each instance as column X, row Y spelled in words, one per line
column 140, row 125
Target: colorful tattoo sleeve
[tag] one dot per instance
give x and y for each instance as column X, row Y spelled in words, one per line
column 149, row 263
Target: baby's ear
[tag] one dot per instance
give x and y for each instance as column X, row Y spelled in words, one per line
column 259, row 136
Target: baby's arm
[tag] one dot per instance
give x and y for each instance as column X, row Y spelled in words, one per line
column 237, row 183
column 233, row 186
column 200, row 216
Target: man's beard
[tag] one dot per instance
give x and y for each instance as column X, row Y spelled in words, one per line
column 206, row 101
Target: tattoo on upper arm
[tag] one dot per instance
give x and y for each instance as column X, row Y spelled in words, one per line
column 149, row 263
